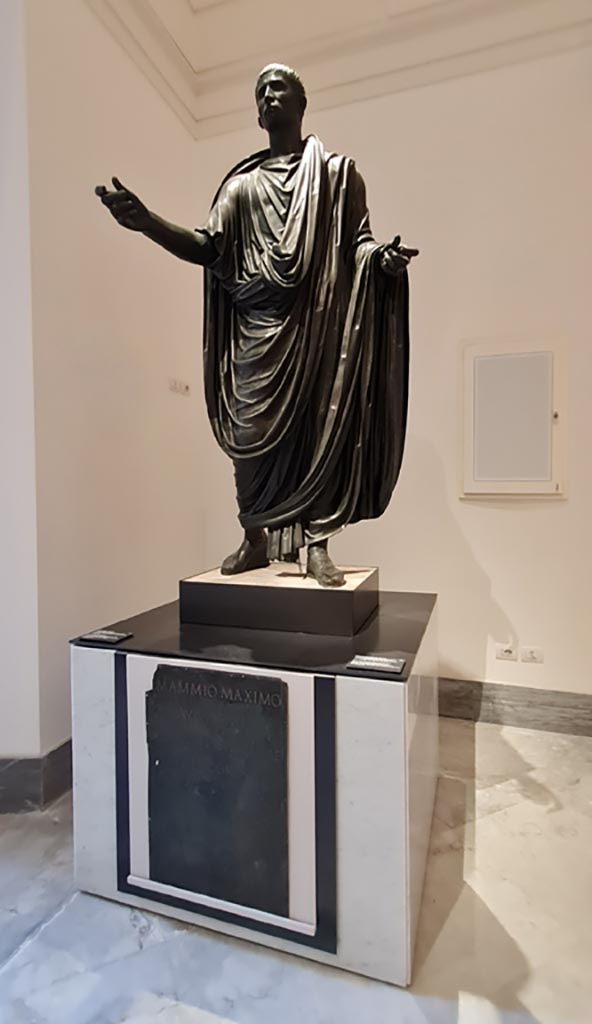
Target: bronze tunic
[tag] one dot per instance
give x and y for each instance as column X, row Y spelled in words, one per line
column 306, row 347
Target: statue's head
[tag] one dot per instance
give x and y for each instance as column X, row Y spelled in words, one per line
column 280, row 97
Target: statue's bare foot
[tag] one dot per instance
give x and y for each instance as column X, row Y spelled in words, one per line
column 252, row 554
column 320, row 566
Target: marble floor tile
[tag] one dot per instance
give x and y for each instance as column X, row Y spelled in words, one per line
column 491, row 753
column 87, row 934
column 570, row 783
column 104, row 995
column 504, row 935
column 35, row 871
column 541, row 854
column 487, row 768
column 542, row 749
column 560, row 991
column 149, row 1007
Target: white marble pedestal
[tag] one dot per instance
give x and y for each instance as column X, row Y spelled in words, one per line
column 361, row 768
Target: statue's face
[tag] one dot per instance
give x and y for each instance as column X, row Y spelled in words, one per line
column 278, row 101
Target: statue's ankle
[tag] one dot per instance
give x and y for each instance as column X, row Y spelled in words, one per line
column 256, row 538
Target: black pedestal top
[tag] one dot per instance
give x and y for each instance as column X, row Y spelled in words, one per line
column 396, row 630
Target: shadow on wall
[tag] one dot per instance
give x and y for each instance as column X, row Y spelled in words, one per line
column 419, row 545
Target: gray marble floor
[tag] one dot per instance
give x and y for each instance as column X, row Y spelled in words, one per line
column 505, row 933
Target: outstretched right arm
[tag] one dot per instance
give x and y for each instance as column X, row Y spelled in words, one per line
column 129, row 211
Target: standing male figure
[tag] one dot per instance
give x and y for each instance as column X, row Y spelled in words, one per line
column 306, row 341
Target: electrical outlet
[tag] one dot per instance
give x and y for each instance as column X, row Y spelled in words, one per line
column 533, row 654
column 506, row 652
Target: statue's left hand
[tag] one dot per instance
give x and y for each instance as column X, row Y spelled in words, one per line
column 395, row 257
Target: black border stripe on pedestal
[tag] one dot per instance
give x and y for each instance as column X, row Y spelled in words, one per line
column 121, row 770
column 325, row 937
column 326, row 813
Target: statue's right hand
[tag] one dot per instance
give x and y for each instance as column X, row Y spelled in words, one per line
column 128, row 210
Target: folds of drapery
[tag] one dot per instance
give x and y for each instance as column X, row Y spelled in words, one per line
column 306, row 350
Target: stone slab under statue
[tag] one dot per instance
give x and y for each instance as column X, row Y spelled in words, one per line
column 280, row 596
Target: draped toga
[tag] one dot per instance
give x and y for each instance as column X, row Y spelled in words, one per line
column 306, row 347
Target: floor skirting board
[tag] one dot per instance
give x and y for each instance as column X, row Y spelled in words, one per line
column 525, row 706
column 29, row 783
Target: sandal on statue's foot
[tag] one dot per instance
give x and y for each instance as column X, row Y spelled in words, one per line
column 321, row 567
column 250, row 555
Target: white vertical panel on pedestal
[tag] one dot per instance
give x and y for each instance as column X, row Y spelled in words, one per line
column 372, row 834
column 93, row 769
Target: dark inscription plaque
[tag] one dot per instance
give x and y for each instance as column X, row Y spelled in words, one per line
column 218, row 785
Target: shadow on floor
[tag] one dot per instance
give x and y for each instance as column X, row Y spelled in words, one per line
column 462, row 947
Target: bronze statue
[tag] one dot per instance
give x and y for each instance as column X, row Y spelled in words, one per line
column 306, row 341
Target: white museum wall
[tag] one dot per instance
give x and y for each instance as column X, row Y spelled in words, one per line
column 19, row 690
column 119, row 490
column 490, row 176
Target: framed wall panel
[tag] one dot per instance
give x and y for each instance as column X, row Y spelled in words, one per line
column 514, row 411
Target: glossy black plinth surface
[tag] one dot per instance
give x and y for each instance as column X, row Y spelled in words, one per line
column 396, row 630
column 280, row 598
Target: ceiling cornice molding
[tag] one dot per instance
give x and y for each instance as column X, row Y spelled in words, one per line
column 414, row 43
